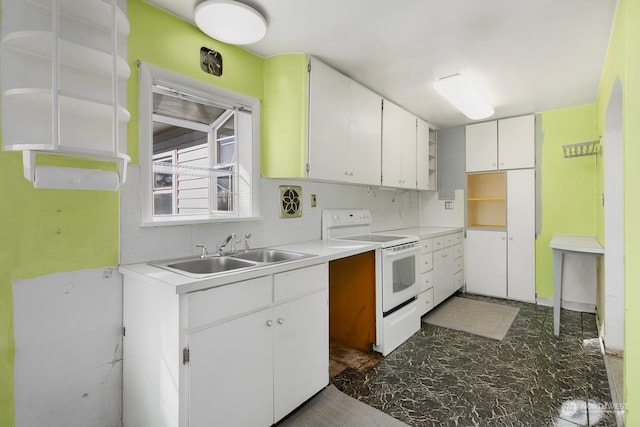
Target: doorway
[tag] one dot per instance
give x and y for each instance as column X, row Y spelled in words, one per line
column 613, row 223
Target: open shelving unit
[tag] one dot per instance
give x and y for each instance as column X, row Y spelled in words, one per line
column 486, row 200
column 63, row 81
column 433, row 147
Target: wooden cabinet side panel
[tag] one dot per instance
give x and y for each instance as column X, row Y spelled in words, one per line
column 352, row 301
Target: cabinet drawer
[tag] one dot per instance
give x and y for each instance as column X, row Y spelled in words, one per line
column 449, row 240
column 425, row 301
column 458, row 280
column 458, row 251
column 438, row 243
column 426, row 245
column 216, row 304
column 458, row 264
column 426, row 281
column 459, row 237
column 426, row 262
column 301, row 281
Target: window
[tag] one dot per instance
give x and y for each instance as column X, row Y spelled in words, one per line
column 198, row 150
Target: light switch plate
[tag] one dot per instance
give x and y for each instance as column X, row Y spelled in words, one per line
column 314, row 201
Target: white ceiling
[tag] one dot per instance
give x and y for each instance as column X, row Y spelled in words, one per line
column 524, row 55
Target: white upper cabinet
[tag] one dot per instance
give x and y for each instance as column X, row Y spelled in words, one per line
column 399, row 129
column 502, row 144
column 344, row 128
column 365, row 135
column 481, row 146
column 516, row 143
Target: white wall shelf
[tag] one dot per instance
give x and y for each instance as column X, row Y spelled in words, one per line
column 63, row 81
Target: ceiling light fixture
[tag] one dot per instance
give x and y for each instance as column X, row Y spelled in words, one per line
column 230, row 21
column 462, row 94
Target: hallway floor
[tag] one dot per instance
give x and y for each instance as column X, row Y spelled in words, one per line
column 531, row 378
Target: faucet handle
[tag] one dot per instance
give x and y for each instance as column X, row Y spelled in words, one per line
column 246, row 240
column 203, row 253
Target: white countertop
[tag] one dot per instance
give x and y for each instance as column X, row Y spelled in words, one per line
column 587, row 244
column 424, row 232
column 324, row 251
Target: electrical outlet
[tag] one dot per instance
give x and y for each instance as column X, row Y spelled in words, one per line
column 448, row 204
column 314, row 201
column 107, row 273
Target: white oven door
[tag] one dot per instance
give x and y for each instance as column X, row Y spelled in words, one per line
column 400, row 275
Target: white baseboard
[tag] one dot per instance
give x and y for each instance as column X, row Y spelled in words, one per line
column 569, row 305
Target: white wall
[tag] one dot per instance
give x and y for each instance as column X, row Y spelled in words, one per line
column 68, row 349
column 390, row 209
column 433, row 212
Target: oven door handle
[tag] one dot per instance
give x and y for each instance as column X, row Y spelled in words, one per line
column 392, row 253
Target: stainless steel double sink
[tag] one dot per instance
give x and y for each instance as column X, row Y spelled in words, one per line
column 198, row 267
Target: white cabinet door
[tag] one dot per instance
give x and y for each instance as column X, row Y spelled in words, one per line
column 301, row 352
column 422, row 156
column 481, row 146
column 228, row 363
column 365, row 136
column 516, row 143
column 345, row 121
column 391, row 145
column 398, row 147
column 329, row 110
column 486, row 263
column 408, row 164
column 521, row 235
column 443, row 283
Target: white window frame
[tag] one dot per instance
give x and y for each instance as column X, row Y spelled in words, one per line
column 248, row 155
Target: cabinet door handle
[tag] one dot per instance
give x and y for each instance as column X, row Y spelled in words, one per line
column 280, row 321
column 502, row 238
column 269, row 323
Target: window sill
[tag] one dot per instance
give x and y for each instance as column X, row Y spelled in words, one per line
column 162, row 222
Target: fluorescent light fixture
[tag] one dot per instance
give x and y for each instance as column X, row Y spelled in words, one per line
column 230, row 21
column 462, row 94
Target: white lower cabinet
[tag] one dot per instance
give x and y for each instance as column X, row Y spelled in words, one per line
column 501, row 263
column 228, row 364
column 301, row 344
column 246, row 353
column 442, row 264
column 487, row 263
column 443, row 275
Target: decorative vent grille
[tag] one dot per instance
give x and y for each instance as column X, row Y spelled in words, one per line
column 290, row 201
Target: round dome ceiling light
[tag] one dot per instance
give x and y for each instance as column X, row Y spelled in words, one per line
column 230, row 21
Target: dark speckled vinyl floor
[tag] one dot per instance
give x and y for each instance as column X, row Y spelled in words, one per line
column 443, row 377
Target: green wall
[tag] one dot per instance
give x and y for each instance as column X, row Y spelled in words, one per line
column 623, row 62
column 284, row 152
column 568, row 186
column 163, row 40
column 50, row 231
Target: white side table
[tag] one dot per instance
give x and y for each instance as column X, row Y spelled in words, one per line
column 561, row 244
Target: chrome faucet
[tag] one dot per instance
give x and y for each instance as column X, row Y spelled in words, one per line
column 246, row 243
column 222, row 245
